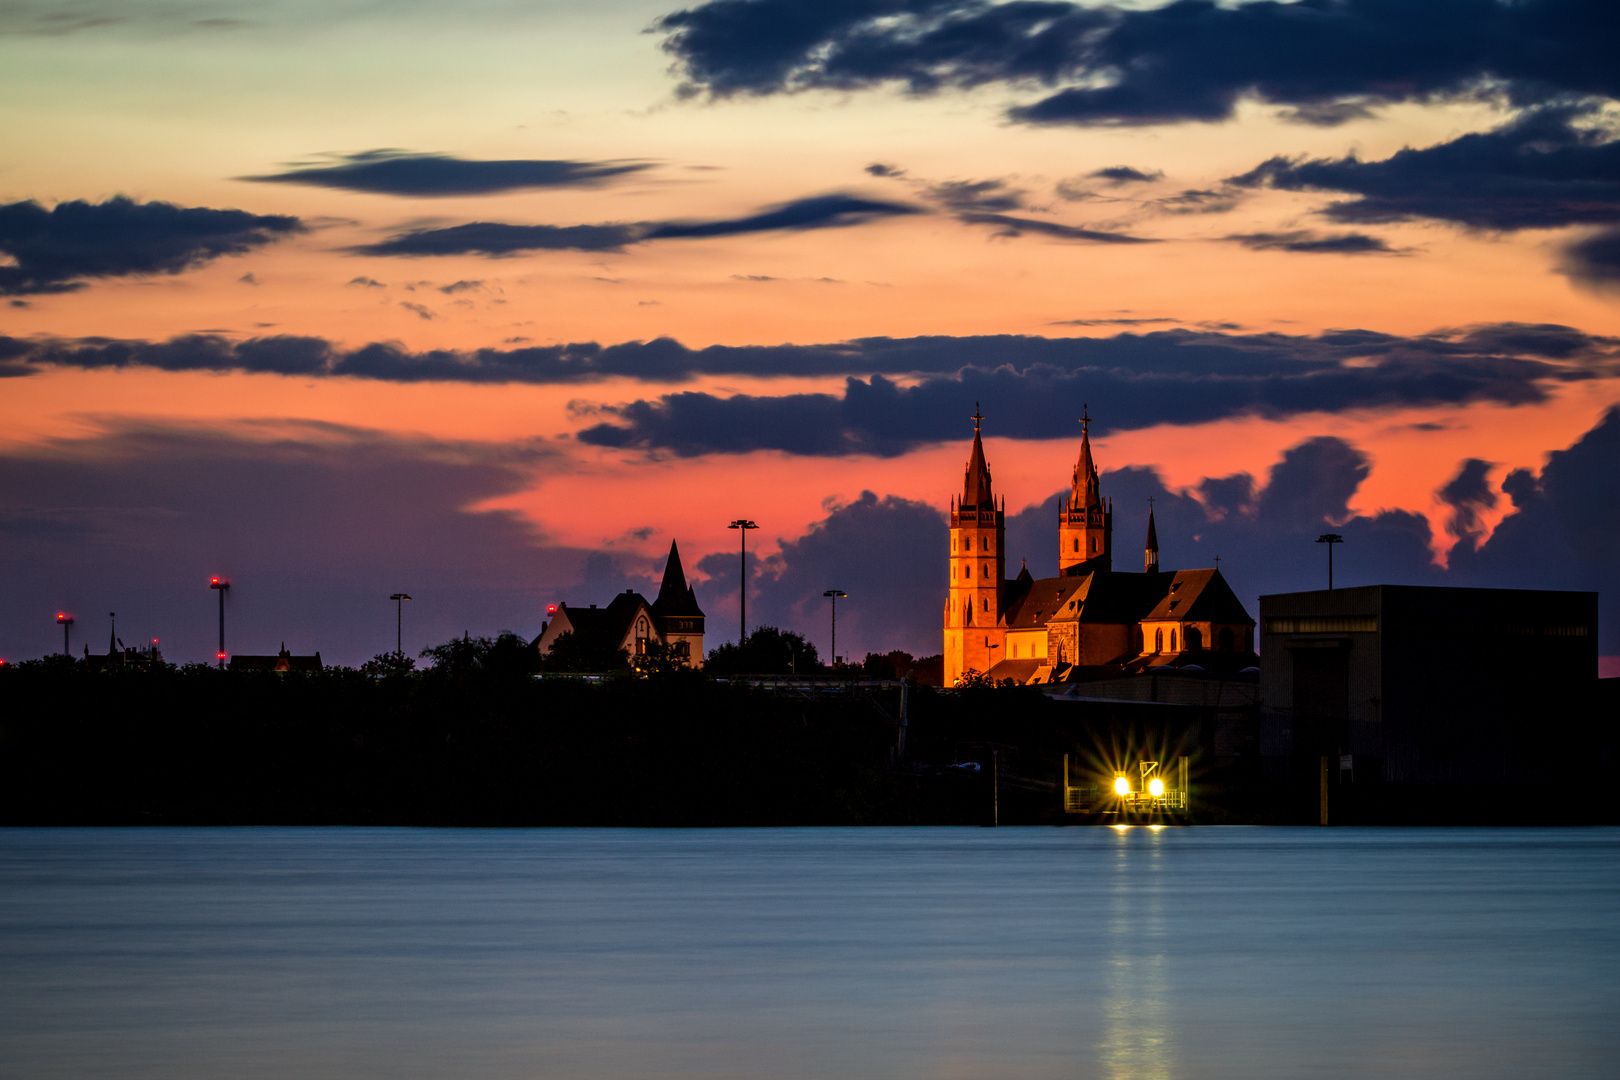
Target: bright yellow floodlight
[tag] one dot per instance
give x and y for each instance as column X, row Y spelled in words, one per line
column 1122, row 786
column 1156, row 787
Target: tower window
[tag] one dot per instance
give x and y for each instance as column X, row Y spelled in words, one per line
column 984, row 543
column 987, row 608
column 985, row 570
column 1077, row 543
column 1094, row 545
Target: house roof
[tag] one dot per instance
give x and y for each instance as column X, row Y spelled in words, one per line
column 611, row 623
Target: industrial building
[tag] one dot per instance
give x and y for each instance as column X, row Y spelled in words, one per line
column 1393, row 701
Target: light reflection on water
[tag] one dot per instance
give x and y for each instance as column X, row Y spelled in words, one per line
column 1138, row 1042
column 929, row 953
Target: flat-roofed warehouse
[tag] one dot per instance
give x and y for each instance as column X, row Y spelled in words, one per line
column 1414, row 685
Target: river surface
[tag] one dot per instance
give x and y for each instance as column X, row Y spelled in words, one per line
column 809, row 953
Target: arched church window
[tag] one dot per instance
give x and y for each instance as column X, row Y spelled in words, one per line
column 1195, row 638
column 1158, row 641
column 1172, row 639
column 987, row 608
column 1224, row 640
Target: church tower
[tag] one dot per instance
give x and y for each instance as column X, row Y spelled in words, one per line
column 974, row 630
column 1085, row 522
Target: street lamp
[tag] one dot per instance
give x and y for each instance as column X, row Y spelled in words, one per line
column 399, row 599
column 222, row 586
column 744, row 525
column 1330, row 539
column 833, row 595
column 66, row 621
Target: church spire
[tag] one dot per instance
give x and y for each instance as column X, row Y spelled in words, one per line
column 1086, row 494
column 1151, row 556
column 976, row 484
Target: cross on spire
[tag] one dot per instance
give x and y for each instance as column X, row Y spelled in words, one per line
column 1085, row 419
column 976, row 418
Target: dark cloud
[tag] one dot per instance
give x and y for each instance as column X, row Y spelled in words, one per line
column 1327, row 61
column 983, row 195
column 888, row 554
column 878, row 168
column 1173, row 376
column 1303, row 240
column 1470, row 496
column 1112, row 322
column 55, row 250
column 492, row 238
column 1561, row 531
column 401, row 172
column 1115, row 175
column 367, row 283
column 315, row 525
column 1594, row 260
column 1550, row 167
column 818, row 212
column 496, row 238
column 1010, row 225
column 1199, row 201
column 1033, row 386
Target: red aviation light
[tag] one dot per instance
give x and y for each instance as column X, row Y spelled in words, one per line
column 551, row 609
column 220, row 656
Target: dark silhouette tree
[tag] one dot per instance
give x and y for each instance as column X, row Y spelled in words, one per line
column 584, row 652
column 767, row 651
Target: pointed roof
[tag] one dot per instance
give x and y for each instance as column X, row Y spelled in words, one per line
column 1086, row 493
column 976, row 484
column 675, row 596
column 1153, row 533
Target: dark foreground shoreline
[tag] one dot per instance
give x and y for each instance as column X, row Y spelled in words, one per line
column 198, row 746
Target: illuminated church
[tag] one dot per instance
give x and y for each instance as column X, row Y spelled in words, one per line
column 1090, row 616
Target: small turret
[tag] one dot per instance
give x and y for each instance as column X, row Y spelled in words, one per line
column 1150, row 561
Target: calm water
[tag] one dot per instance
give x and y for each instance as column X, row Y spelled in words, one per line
column 938, row 953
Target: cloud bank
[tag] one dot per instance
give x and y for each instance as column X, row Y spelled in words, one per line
column 837, row 210
column 55, row 250
column 1326, row 61
column 418, row 175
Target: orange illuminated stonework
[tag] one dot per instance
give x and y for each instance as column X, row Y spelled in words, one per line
column 1088, row 617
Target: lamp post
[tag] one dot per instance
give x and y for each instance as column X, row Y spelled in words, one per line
column 1330, row 539
column 222, row 587
column 833, row 595
column 399, row 599
column 65, row 621
column 743, row 525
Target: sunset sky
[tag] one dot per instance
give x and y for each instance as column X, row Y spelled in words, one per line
column 490, row 301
